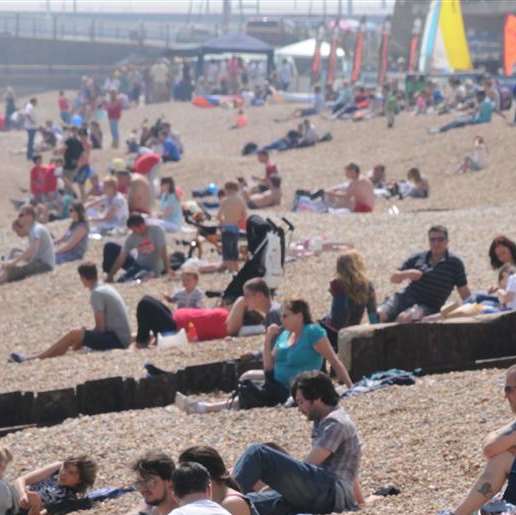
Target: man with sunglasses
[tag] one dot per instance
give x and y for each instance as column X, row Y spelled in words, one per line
column 154, row 472
column 432, row 274
column 499, row 450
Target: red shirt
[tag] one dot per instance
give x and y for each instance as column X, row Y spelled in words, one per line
column 114, row 110
column 270, row 169
column 146, row 162
column 123, row 188
column 64, row 104
column 43, row 179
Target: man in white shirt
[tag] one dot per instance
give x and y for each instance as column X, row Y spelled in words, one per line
column 192, row 488
column 31, row 125
column 38, row 258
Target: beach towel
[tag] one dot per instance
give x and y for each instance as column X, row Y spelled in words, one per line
column 380, row 380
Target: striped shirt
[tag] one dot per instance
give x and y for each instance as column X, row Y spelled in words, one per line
column 337, row 433
column 437, row 281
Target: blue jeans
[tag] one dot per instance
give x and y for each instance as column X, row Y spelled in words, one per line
column 31, row 134
column 297, row 487
column 113, row 125
column 457, row 124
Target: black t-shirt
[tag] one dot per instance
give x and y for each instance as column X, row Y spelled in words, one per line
column 437, row 281
column 73, row 151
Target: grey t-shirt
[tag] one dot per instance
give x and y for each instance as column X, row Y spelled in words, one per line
column 148, row 247
column 45, row 251
column 274, row 315
column 106, row 299
column 183, row 299
column 9, row 499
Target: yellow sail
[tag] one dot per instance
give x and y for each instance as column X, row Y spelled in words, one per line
column 451, row 26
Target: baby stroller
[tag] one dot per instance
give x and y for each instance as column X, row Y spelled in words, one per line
column 209, row 232
column 266, row 247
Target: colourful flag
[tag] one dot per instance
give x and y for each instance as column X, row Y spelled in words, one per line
column 332, row 59
column 383, row 61
column 358, row 55
column 316, row 62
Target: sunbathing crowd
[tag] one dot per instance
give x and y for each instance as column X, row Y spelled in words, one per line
column 299, row 354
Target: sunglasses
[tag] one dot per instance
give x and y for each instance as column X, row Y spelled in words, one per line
column 145, row 483
column 437, row 239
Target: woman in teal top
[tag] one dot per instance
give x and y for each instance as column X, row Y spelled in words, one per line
column 298, row 347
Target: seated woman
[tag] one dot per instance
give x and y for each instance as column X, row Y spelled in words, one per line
column 55, row 483
column 476, row 160
column 225, row 490
column 416, row 186
column 300, row 346
column 171, row 214
column 352, row 293
column 74, row 243
column 502, row 250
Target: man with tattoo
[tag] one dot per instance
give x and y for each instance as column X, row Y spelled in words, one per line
column 500, row 451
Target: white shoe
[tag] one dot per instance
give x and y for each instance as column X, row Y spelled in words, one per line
column 187, row 405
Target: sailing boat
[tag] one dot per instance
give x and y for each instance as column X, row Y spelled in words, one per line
column 444, row 48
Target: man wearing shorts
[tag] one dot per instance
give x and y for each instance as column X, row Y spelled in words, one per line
column 432, row 274
column 111, row 331
column 232, row 213
column 72, row 151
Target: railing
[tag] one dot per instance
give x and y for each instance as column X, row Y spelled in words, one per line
column 55, row 26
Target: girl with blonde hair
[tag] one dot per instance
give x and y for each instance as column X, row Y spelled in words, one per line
column 352, row 293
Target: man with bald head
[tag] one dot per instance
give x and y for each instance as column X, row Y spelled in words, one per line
column 500, row 452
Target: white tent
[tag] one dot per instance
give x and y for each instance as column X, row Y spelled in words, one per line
column 306, row 49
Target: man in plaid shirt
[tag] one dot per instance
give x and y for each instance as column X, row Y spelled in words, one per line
column 326, row 480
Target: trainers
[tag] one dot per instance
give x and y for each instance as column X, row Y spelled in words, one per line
column 187, row 405
column 17, row 357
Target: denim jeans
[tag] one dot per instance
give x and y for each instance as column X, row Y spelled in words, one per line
column 31, row 136
column 297, row 487
column 457, row 124
column 113, row 125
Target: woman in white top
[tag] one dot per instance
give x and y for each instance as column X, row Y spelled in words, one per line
column 171, row 213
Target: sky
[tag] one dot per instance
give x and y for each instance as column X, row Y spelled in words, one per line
column 183, row 6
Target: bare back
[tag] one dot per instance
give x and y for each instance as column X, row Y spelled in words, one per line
column 139, row 196
column 232, row 210
column 362, row 192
